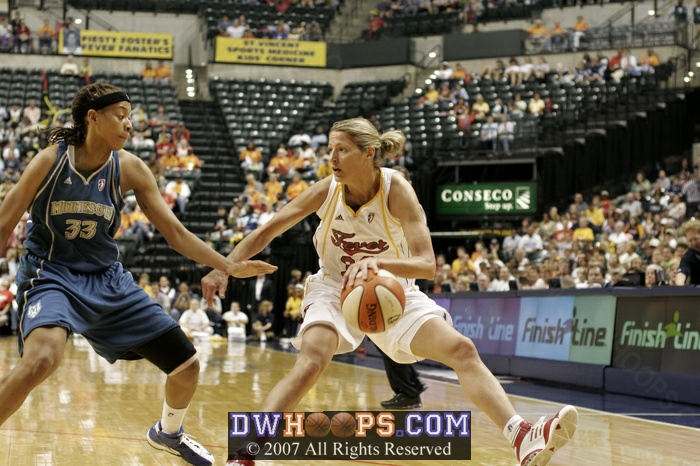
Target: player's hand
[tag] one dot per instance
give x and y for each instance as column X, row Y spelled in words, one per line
column 214, row 281
column 358, row 271
column 245, row 269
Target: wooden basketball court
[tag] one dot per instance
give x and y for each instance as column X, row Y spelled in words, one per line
column 92, row 413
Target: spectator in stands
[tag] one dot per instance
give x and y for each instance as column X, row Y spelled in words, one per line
column 555, row 37
column 579, row 31
column 272, row 188
column 181, row 301
column 537, row 35
column 444, row 73
column 295, row 187
column 22, row 35
column 142, row 136
column 299, row 138
column 165, row 146
column 663, row 181
column 514, row 72
column 691, row 191
column 324, row 167
column 5, row 35
column 70, row 68
column 279, row 163
column 494, row 72
column 149, row 73
column 32, row 112
column 236, row 321
column 583, row 232
column 180, row 192
column 480, row 108
column 181, row 132
column 251, row 160
column 677, row 209
column 319, row 139
column 292, row 310
column 195, row 323
column 140, row 226
column 536, row 105
column 86, row 70
column 631, row 205
column 640, row 184
column 488, row 136
column 531, row 243
column 596, row 277
column 236, row 29
column 679, row 13
column 541, row 69
column 162, row 72
column 506, row 133
column 47, row 36
column 313, row 32
column 263, row 322
column 166, row 294
column 649, row 62
column 375, row 28
column 223, row 25
column 696, row 12
column 635, row 229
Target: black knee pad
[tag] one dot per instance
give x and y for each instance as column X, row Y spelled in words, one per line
column 169, row 351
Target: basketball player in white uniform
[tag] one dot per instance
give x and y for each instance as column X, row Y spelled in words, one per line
column 365, row 211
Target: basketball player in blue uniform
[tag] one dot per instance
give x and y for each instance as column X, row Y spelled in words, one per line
column 364, row 211
column 70, row 279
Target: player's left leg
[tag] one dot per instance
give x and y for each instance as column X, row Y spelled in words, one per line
column 533, row 444
column 175, row 355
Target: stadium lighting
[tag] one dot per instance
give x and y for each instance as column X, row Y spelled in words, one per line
column 432, row 54
column 691, row 74
column 686, row 79
column 697, row 64
column 433, row 76
column 652, row 12
column 190, row 89
column 78, row 21
column 428, row 81
column 419, row 90
column 188, row 71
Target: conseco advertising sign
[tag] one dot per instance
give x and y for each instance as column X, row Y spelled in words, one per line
column 487, row 198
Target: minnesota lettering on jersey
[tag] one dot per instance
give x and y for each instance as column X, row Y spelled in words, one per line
column 340, row 239
column 82, row 207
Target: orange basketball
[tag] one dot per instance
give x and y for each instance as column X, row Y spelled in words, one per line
column 317, row 425
column 375, row 304
column 343, row 425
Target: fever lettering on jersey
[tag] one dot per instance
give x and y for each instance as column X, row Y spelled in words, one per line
column 351, row 248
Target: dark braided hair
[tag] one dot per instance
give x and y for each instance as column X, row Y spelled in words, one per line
column 75, row 136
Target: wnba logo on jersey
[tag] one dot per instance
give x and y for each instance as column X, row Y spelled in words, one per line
column 370, row 217
column 101, row 184
column 33, row 310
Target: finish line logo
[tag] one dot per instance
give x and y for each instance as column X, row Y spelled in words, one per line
column 342, row 435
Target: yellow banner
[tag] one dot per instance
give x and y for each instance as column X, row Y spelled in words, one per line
column 116, row 44
column 270, row 52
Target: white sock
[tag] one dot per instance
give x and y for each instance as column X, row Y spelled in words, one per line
column 512, row 427
column 172, row 419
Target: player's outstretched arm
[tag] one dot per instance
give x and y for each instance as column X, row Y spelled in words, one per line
column 137, row 176
column 306, row 203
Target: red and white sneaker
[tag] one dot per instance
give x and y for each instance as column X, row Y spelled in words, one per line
column 535, row 443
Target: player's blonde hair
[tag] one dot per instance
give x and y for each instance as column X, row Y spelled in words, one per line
column 365, row 135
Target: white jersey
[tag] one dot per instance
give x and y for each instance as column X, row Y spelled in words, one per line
column 345, row 236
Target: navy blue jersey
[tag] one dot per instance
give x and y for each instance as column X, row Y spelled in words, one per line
column 690, row 266
column 73, row 219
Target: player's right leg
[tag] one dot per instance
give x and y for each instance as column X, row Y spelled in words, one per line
column 317, row 349
column 42, row 354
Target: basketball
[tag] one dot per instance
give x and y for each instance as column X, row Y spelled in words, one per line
column 343, row 425
column 375, row 304
column 317, row 425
